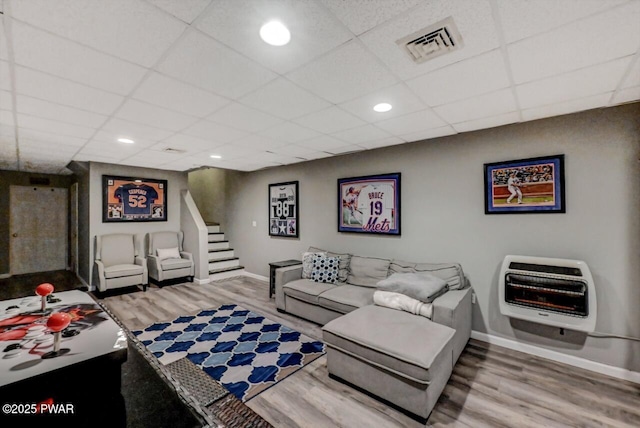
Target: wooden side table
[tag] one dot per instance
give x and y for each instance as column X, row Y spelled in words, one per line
column 272, row 272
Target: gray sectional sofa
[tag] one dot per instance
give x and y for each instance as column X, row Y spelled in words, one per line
column 403, row 358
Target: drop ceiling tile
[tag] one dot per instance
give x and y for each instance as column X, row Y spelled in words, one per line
column 558, row 109
column 386, row 142
column 413, row 122
column 402, row 99
column 214, row 132
column 627, row 95
column 284, row 99
column 3, row 46
column 258, row 142
column 317, row 155
column 9, row 163
column 187, row 142
column 34, row 163
column 313, row 30
column 201, row 61
column 186, row 10
column 480, row 75
column 6, row 118
column 174, row 95
column 487, row 122
column 8, row 132
column 148, row 114
column 141, row 162
column 493, row 104
column 351, row 148
column 577, row 45
column 362, row 15
column 523, row 18
column 322, row 143
column 184, row 164
column 84, row 157
column 294, row 150
column 53, row 126
column 633, row 75
column 578, row 84
column 473, row 18
column 46, row 149
column 345, row 73
column 109, row 150
column 245, row 118
column 48, row 110
column 429, row 134
column 290, row 132
column 361, row 134
column 152, row 30
column 330, row 120
column 50, row 138
column 232, row 151
column 118, row 128
column 6, row 102
column 63, row 58
column 43, row 86
column 262, row 157
column 5, row 79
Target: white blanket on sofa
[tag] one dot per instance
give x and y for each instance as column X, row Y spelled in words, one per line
column 401, row 302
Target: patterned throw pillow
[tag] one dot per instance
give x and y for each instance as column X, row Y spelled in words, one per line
column 325, row 269
column 307, row 263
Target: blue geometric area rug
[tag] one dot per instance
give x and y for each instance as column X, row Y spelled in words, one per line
column 246, row 352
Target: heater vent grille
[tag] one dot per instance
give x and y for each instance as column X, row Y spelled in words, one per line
column 438, row 39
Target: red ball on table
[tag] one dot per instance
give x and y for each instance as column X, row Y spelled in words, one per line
column 44, row 289
column 58, row 321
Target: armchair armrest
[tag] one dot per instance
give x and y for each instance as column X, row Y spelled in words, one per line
column 141, row 261
column 284, row 275
column 102, row 285
column 186, row 255
column 454, row 309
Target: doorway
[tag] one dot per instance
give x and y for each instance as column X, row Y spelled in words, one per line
column 38, row 229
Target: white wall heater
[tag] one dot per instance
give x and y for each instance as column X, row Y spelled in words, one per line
column 556, row 292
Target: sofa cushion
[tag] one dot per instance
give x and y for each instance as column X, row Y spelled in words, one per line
column 325, row 269
column 118, row 271
column 346, row 298
column 343, row 271
column 306, row 290
column 404, row 343
column 450, row 272
column 367, row 271
column 172, row 264
column 420, row 286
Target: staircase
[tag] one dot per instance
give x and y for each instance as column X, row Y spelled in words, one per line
column 222, row 262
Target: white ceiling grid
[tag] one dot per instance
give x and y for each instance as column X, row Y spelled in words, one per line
column 194, row 76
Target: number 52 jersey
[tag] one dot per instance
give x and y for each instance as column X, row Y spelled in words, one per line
column 136, row 199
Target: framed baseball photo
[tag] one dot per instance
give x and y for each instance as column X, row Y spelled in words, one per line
column 130, row 199
column 534, row 185
column 369, row 204
column 283, row 210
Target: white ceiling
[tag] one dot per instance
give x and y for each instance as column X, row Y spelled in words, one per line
column 194, row 76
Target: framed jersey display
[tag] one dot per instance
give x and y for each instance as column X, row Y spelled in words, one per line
column 126, row 199
column 283, row 209
column 369, row 204
column 534, row 185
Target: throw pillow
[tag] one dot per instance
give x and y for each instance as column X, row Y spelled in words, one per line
column 307, row 263
column 168, row 253
column 325, row 269
column 420, row 286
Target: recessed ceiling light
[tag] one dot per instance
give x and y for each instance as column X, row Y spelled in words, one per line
column 137, row 181
column 215, row 157
column 275, row 33
column 126, row 140
column 382, row 107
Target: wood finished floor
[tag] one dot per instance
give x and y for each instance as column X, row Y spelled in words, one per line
column 490, row 386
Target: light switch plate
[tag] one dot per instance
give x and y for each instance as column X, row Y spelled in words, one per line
column 255, row 223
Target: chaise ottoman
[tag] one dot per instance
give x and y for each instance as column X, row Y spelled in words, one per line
column 402, row 358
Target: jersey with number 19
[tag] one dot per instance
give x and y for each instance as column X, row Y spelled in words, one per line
column 377, row 201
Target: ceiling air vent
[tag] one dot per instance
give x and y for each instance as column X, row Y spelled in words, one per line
column 174, row 151
column 435, row 40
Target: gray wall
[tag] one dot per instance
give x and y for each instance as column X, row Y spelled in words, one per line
column 15, row 178
column 208, row 188
column 443, row 217
column 176, row 182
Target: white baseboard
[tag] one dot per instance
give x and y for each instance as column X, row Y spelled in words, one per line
column 5, row 275
column 559, row 357
column 201, row 281
column 256, row 276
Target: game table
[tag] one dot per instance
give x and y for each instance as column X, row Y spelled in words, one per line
column 86, row 372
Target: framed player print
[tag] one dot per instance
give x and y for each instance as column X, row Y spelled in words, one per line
column 283, row 209
column 534, row 185
column 129, row 199
column 369, row 204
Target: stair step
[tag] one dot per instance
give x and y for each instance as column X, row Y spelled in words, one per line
column 217, row 255
column 216, row 237
column 213, row 228
column 218, row 245
column 224, row 263
column 229, row 269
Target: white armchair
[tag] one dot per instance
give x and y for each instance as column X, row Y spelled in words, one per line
column 166, row 258
column 118, row 262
